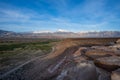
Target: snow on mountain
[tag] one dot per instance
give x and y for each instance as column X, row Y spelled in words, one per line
column 42, row 31
column 62, row 30
column 60, row 33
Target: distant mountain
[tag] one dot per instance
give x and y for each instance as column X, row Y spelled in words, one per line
column 41, row 32
column 9, row 34
column 5, row 32
column 101, row 34
column 58, row 34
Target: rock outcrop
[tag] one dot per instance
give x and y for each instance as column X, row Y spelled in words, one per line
column 97, row 53
column 108, row 63
column 118, row 41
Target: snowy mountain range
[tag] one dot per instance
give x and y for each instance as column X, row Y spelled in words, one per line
column 58, row 34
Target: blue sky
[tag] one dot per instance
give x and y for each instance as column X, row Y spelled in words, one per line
column 52, row 15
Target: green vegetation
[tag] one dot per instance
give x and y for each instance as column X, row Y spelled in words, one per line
column 32, row 45
column 16, row 53
column 13, row 49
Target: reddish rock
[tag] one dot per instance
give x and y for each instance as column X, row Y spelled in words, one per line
column 115, row 75
column 105, row 48
column 118, row 41
column 108, row 63
column 80, row 51
column 94, row 54
column 80, row 59
column 117, row 46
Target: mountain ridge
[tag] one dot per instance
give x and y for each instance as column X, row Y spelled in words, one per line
column 59, row 34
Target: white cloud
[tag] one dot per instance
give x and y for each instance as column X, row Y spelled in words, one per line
column 87, row 15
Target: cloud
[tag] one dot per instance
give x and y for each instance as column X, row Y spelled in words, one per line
column 26, row 21
column 8, row 15
column 13, row 14
column 52, row 15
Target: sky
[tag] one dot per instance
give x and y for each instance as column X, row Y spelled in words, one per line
column 64, row 15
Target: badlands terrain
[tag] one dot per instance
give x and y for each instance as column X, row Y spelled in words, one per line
column 73, row 59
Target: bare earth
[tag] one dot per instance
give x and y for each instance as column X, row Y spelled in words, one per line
column 73, row 59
